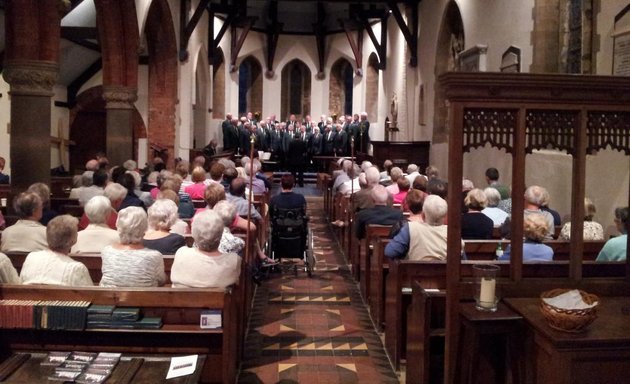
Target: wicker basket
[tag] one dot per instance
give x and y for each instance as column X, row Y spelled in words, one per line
column 568, row 320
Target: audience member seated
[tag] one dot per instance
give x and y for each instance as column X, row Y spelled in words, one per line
column 43, row 192
column 115, row 193
column 437, row 187
column 426, row 240
column 53, row 265
column 534, row 198
column 476, row 225
column 497, row 215
column 257, row 185
column 162, row 216
column 467, row 186
column 351, row 186
column 8, row 274
column 342, row 177
column 180, row 226
column 131, row 200
column 183, row 170
column 205, row 265
column 97, row 235
column 128, row 263
column 196, row 189
column 2, row 222
column 229, row 243
column 615, row 248
column 414, row 202
column 420, row 184
column 384, row 176
column 80, row 183
column 592, row 230
column 380, row 213
column 535, row 231
column 145, row 197
column 185, row 207
column 236, row 196
column 287, row 199
column 159, row 182
column 403, row 188
column 395, row 174
column 492, row 178
column 431, row 172
column 412, row 172
column 99, row 182
column 216, row 173
column 4, row 178
column 27, row 234
column 229, row 174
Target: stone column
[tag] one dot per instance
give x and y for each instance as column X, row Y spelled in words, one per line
column 31, row 91
column 119, row 121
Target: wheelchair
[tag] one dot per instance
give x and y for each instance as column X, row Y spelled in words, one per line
column 291, row 238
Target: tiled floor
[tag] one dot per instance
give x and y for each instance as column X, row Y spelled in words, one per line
column 314, row 330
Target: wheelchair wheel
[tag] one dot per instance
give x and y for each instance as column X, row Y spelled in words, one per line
column 309, row 261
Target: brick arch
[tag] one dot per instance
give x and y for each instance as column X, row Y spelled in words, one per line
column 162, row 49
column 296, row 89
column 371, row 87
column 218, row 85
column 89, row 115
column 341, row 88
column 250, row 84
column 450, row 42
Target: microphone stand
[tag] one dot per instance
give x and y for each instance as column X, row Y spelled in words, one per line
column 252, row 140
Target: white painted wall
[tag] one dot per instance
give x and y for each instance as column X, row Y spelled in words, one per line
column 5, row 118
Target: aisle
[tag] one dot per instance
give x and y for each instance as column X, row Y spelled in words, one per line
column 314, row 330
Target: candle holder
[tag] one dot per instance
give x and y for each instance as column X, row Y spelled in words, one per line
column 486, row 292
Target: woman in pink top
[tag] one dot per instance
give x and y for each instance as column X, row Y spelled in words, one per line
column 403, row 187
column 197, row 189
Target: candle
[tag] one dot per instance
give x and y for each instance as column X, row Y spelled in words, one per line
column 486, row 294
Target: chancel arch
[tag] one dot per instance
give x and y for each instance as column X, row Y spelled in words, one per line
column 450, row 43
column 218, row 85
column 341, row 87
column 296, row 89
column 201, row 100
column 250, row 86
column 371, row 87
column 162, row 49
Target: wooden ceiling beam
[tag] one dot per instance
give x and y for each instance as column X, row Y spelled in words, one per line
column 273, row 35
column 356, row 46
column 409, row 32
column 246, row 24
column 363, row 17
column 319, row 28
column 187, row 27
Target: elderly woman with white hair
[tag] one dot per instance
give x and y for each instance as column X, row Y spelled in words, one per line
column 162, row 216
column 534, row 231
column 205, row 265
column 476, row 225
column 53, row 265
column 229, row 242
column 257, row 185
column 129, row 263
column 27, row 234
column 97, row 235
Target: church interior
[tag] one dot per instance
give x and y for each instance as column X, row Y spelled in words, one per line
column 441, row 90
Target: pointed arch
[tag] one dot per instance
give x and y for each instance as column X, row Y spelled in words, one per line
column 296, row 89
column 162, row 49
column 341, row 87
column 371, row 87
column 200, row 100
column 218, row 85
column 450, row 43
column 250, row 94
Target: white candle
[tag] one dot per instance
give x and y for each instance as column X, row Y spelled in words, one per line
column 486, row 295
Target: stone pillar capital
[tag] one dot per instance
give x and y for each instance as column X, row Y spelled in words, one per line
column 119, row 97
column 31, row 77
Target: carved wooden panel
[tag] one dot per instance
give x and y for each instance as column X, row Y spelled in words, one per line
column 551, row 129
column 608, row 128
column 494, row 126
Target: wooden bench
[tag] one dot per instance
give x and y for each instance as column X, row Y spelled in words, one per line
column 180, row 334
column 365, row 250
column 432, row 275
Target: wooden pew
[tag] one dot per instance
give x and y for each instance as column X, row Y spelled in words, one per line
column 365, row 251
column 60, row 186
column 180, row 335
column 376, row 275
column 486, row 249
column 432, row 275
column 58, row 203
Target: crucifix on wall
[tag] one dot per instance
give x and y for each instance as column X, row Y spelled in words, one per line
column 62, row 143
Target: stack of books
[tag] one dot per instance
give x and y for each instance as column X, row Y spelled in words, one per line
column 111, row 317
column 81, row 367
column 36, row 314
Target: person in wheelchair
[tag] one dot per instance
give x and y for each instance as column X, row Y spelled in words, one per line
column 287, row 199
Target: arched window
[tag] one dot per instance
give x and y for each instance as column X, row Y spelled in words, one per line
column 249, row 86
column 218, row 85
column 341, row 86
column 296, row 89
